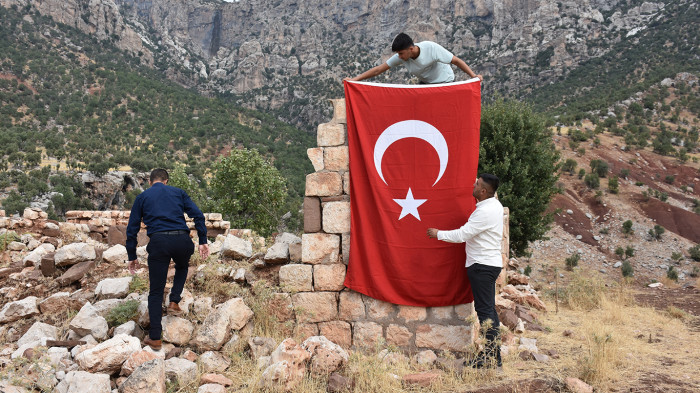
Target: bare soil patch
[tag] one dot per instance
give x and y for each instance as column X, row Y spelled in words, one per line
column 674, row 219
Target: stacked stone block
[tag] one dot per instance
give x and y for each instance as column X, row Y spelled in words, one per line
column 321, row 304
column 99, row 225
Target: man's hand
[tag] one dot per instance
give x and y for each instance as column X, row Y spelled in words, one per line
column 133, row 266
column 481, row 78
column 432, row 233
column 204, row 251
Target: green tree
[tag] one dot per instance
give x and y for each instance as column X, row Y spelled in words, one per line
column 599, row 167
column 627, row 227
column 694, row 252
column 656, row 232
column 569, row 166
column 517, row 147
column 572, row 261
column 592, row 180
column 613, row 185
column 249, row 191
column 627, row 270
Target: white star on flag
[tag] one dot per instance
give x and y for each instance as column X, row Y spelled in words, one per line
column 409, row 205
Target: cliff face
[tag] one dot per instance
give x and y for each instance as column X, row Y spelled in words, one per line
column 278, row 54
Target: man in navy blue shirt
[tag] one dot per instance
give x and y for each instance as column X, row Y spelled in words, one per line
column 162, row 208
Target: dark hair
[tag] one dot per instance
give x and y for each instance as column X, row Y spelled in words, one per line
column 159, row 174
column 401, row 42
column 491, row 180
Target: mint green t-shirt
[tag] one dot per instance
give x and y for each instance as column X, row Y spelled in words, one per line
column 431, row 66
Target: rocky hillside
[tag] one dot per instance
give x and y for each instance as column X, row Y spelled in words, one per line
column 286, row 56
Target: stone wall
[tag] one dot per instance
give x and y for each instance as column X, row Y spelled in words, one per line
column 104, row 226
column 321, row 303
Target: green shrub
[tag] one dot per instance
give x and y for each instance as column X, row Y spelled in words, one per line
column 528, row 270
column 599, row 167
column 670, row 179
column 123, row 313
column 604, row 231
column 695, row 272
column 627, row 227
column 629, row 252
column 627, row 270
column 569, row 166
column 138, row 284
column 672, row 273
column 7, row 238
column 694, row 252
column 620, row 252
column 592, row 180
column 572, row 261
column 676, row 256
column 613, row 185
column 581, row 173
column 656, row 232
column 624, row 173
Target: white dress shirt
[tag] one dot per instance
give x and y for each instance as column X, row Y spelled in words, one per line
column 482, row 234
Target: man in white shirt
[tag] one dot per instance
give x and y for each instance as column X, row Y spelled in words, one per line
column 426, row 60
column 482, row 235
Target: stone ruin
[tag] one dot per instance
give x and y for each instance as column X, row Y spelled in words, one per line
column 310, row 272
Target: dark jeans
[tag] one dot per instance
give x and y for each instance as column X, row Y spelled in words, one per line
column 483, row 282
column 161, row 249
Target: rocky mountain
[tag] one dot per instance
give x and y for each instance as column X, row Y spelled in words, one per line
column 287, row 56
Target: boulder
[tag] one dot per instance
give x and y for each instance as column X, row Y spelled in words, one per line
column 73, row 253
column 149, row 377
column 76, row 272
column 213, row 362
column 215, row 378
column 177, row 330
column 82, row 381
column 576, row 385
column 237, row 248
column 19, row 309
column 288, row 366
column 211, row 388
column 108, row 356
column 278, row 253
column 217, row 326
column 38, row 331
column 115, row 254
column 326, row 356
column 426, row 357
column 113, row 287
column 135, row 360
column 88, row 321
column 182, row 370
column 34, row 257
column 261, row 346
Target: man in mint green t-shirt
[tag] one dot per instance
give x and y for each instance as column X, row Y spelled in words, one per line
column 427, row 60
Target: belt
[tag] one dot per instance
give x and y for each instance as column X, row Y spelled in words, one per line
column 180, row 232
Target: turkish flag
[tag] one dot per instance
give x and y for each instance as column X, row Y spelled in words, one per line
column 414, row 151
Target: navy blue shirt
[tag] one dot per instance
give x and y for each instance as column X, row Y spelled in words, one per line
column 162, row 208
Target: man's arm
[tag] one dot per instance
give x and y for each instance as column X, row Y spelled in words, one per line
column 372, row 72
column 199, row 224
column 478, row 222
column 464, row 67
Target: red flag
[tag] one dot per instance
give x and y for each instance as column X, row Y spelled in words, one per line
column 414, row 152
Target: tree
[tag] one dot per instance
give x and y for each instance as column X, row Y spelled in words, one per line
column 249, row 191
column 569, row 166
column 592, row 180
column 627, row 227
column 599, row 167
column 694, row 252
column 656, row 232
column 613, row 185
column 517, row 147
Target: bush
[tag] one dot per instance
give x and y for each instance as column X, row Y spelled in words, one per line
column 624, row 173
column 670, row 179
column 250, row 192
column 613, row 185
column 581, row 173
column 695, row 272
column 694, row 252
column 656, row 232
column 627, row 270
column 528, row 270
column 517, row 146
column 672, row 273
column 620, row 252
column 627, row 227
column 604, row 231
column 599, row 167
column 592, row 180
column 123, row 313
column 569, row 166
column 676, row 256
column 629, row 252
column 7, row 238
column 572, row 261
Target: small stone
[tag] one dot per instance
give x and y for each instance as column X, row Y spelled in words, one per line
column 424, row 379
column 576, row 385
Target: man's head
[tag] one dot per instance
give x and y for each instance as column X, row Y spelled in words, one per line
column 485, row 186
column 159, row 175
column 403, row 46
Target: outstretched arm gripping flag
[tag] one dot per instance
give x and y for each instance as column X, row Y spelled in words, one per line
column 414, row 152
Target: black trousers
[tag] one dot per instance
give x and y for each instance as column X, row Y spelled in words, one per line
column 161, row 249
column 483, row 283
